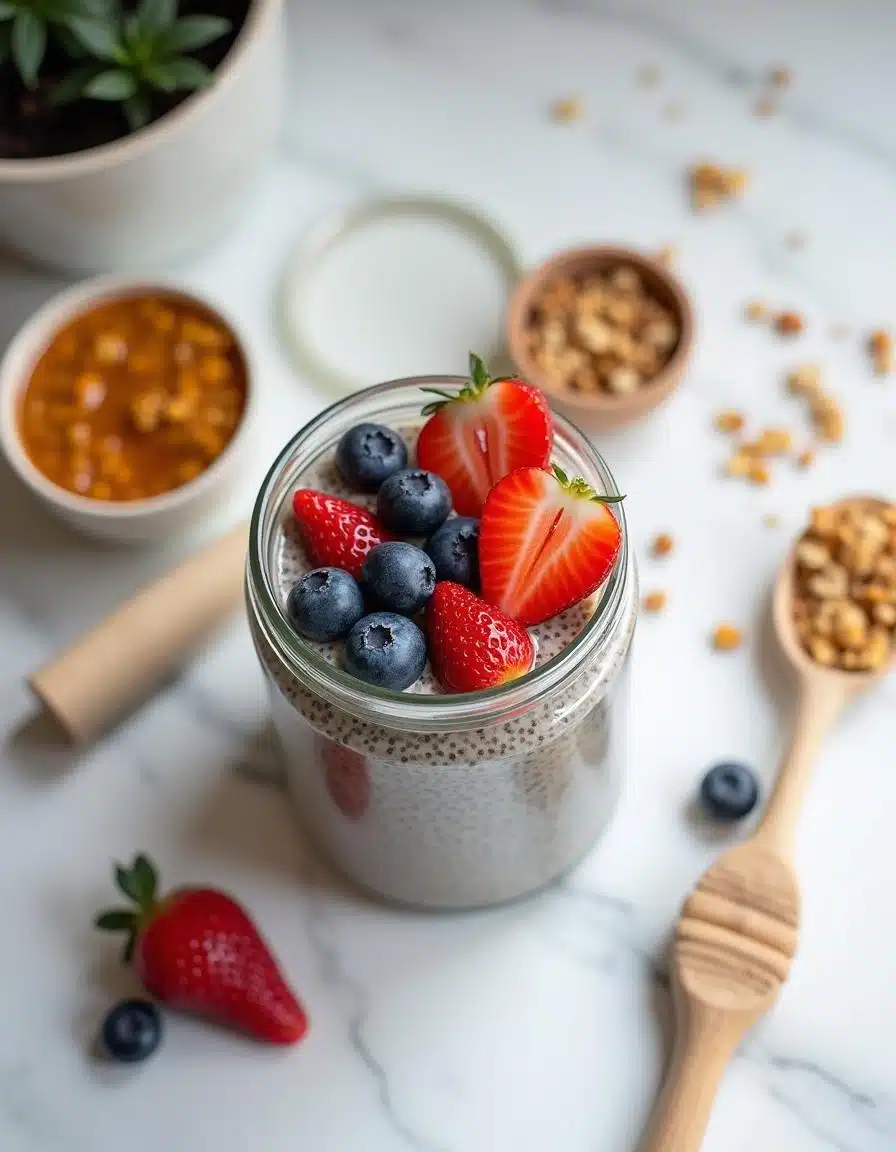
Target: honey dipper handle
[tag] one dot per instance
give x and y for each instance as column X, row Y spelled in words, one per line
column 115, row 666
column 704, row 1043
column 820, row 703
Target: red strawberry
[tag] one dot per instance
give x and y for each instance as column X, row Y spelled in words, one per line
column 336, row 533
column 471, row 644
column 545, row 543
column 347, row 778
column 474, row 438
column 197, row 950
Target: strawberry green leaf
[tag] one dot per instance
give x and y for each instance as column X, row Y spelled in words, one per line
column 478, row 372
column 116, row 920
column 147, row 877
column 560, row 474
column 113, row 84
column 28, row 44
column 193, row 32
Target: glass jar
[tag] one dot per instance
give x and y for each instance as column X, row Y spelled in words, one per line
column 444, row 801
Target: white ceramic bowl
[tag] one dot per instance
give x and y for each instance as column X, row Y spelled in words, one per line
column 157, row 516
column 166, row 190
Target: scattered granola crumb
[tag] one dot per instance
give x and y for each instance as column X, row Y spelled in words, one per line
column 650, row 75
column 756, row 311
column 567, row 109
column 796, row 240
column 729, row 421
column 771, row 442
column 765, row 106
column 781, row 76
column 789, row 323
column 805, row 459
column 880, row 344
column 771, row 520
column 662, row 544
column 711, row 184
column 844, row 603
column 758, row 473
column 655, row 601
column 726, row 637
column 805, row 380
column 739, row 465
column 674, row 111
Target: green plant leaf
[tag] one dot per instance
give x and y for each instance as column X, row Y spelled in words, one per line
column 137, row 110
column 100, row 37
column 113, row 84
column 7, row 10
column 188, row 73
column 154, row 15
column 69, row 42
column 28, row 43
column 71, row 87
column 5, row 37
column 193, row 32
column 160, row 76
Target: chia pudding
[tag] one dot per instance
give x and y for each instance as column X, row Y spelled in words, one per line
column 427, row 798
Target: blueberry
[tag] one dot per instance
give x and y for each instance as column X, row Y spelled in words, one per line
column 454, row 549
column 729, row 791
column 413, row 502
column 325, row 603
column 398, row 577
column 386, row 650
column 132, row 1031
column 368, row 453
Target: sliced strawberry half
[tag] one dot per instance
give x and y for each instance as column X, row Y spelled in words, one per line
column 476, row 437
column 473, row 645
column 545, row 543
column 335, row 532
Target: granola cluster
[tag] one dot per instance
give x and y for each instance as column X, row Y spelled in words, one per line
column 601, row 332
column 844, row 603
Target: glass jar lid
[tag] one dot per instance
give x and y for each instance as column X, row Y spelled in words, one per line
column 394, row 287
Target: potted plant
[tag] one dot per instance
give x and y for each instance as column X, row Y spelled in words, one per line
column 131, row 133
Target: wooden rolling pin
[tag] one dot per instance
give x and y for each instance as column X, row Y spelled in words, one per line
column 114, row 667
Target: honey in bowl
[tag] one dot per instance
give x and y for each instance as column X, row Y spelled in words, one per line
column 133, row 397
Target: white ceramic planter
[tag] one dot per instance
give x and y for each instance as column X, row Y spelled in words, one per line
column 168, row 189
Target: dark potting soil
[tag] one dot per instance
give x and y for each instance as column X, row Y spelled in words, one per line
column 30, row 127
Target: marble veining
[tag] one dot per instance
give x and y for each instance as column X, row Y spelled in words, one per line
column 543, row 1024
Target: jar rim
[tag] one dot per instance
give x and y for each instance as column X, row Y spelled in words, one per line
column 415, row 711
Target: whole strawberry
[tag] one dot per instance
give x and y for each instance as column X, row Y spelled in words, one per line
column 473, row 645
column 197, row 951
column 335, row 532
column 474, row 437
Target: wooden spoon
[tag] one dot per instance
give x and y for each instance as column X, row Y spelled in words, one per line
column 739, row 927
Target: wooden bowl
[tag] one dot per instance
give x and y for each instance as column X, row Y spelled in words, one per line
column 597, row 411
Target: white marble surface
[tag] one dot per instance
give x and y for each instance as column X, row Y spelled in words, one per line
column 539, row 1025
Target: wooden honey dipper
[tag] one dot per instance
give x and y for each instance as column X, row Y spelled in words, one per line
column 738, row 930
